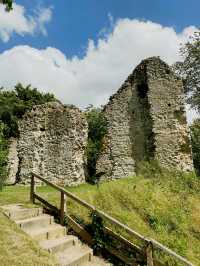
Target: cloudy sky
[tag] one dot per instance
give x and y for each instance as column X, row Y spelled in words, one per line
column 82, row 51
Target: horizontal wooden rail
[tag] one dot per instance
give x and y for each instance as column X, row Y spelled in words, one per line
column 149, row 243
column 170, row 252
column 123, row 226
column 69, row 194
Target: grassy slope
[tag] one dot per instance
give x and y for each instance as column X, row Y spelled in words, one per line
column 164, row 208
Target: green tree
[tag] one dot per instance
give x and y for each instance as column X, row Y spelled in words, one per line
column 189, row 70
column 14, row 103
column 97, row 125
column 195, row 138
column 8, row 4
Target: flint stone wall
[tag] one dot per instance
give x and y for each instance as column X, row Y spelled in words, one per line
column 52, row 143
column 146, row 120
column 13, row 161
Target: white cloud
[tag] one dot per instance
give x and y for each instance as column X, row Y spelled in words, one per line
column 19, row 22
column 45, row 15
column 93, row 78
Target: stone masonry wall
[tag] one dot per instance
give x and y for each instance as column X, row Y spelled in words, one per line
column 52, row 143
column 13, row 161
column 146, row 120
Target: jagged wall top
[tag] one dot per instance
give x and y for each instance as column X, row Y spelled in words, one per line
column 146, row 120
column 52, row 143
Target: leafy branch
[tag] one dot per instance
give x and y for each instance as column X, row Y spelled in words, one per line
column 8, row 4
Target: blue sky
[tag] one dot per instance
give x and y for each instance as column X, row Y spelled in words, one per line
column 76, row 21
column 83, row 50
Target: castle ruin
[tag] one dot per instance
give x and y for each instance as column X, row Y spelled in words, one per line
column 146, row 121
column 52, row 143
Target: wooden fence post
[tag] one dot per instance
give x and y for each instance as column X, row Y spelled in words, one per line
column 149, row 254
column 63, row 207
column 32, row 191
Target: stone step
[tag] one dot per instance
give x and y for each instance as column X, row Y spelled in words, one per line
column 53, row 231
column 36, row 222
column 68, row 250
column 60, row 244
column 19, row 212
column 97, row 262
column 75, row 256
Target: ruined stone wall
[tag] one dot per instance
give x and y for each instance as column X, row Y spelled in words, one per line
column 13, row 161
column 146, row 120
column 116, row 159
column 52, row 143
column 171, row 134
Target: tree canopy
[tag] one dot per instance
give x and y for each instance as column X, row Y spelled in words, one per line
column 8, row 4
column 14, row 103
column 189, row 70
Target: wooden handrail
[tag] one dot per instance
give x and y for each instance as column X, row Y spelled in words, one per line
column 149, row 243
column 158, row 245
column 69, row 194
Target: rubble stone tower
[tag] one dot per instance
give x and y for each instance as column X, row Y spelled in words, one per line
column 52, row 143
column 146, row 120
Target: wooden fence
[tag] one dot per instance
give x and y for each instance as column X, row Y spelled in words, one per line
column 149, row 244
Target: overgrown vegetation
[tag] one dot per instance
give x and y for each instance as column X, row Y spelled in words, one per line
column 158, row 203
column 97, row 128
column 195, row 138
column 13, row 105
column 98, row 236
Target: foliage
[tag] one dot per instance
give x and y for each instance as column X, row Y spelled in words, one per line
column 195, row 138
column 14, row 103
column 8, row 4
column 98, row 235
column 97, row 128
column 189, row 69
column 150, row 169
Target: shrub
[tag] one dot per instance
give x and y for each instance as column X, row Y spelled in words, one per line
column 150, row 169
column 97, row 129
column 195, row 138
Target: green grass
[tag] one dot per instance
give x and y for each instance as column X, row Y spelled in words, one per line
column 165, row 207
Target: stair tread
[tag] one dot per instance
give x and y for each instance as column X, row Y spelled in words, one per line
column 36, row 218
column 73, row 253
column 17, row 207
column 48, row 228
column 11, row 210
column 48, row 244
column 97, row 262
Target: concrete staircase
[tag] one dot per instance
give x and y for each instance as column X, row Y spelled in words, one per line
column 51, row 236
